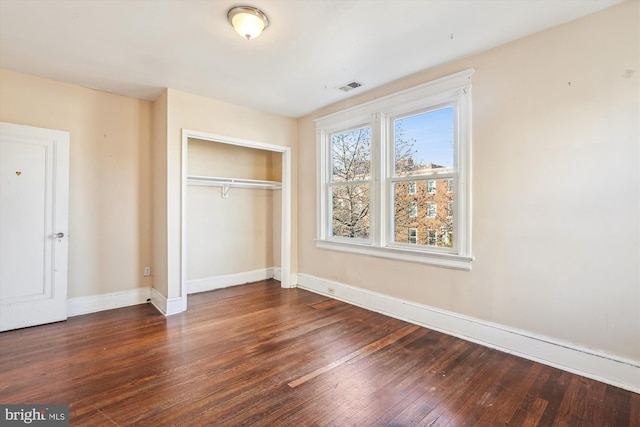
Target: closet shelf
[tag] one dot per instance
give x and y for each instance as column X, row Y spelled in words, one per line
column 226, row 183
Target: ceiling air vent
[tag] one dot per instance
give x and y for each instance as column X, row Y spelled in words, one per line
column 350, row 86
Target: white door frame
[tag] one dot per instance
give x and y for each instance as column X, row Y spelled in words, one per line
column 285, row 234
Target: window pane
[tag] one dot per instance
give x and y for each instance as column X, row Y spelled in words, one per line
column 433, row 203
column 350, row 211
column 351, row 155
column 424, row 142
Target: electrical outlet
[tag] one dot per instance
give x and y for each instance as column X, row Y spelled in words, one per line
column 332, row 291
column 147, row 271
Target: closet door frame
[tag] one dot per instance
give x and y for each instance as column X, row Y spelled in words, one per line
column 287, row 279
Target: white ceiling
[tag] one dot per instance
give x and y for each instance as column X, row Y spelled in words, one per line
column 138, row 47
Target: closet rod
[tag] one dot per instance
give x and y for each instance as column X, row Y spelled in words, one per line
column 215, row 181
column 226, row 183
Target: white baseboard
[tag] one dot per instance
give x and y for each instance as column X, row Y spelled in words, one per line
column 93, row 303
column 219, row 282
column 166, row 306
column 589, row 363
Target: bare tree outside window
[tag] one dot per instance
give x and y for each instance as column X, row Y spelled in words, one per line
column 351, row 183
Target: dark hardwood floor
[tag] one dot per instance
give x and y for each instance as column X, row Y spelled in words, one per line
column 261, row 355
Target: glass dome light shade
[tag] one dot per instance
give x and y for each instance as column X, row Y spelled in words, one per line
column 248, row 21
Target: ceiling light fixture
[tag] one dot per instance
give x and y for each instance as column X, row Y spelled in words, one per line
column 248, row 21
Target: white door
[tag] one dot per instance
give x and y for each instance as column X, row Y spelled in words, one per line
column 34, row 193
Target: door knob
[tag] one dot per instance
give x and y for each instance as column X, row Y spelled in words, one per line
column 58, row 235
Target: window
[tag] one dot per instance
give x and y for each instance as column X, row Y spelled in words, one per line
column 397, row 165
column 413, row 209
column 412, row 188
column 431, row 237
column 431, row 210
column 413, row 235
column 431, row 187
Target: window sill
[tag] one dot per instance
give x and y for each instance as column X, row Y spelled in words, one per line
column 447, row 260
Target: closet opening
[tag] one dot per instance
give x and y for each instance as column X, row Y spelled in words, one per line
column 236, row 212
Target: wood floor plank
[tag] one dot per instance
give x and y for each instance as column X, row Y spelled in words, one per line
column 553, row 392
column 620, row 402
column 356, row 355
column 471, row 402
column 407, row 383
column 506, row 393
column 261, row 355
column 531, row 407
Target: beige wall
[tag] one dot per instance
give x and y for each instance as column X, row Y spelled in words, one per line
column 110, row 202
column 555, row 190
column 187, row 111
column 232, row 235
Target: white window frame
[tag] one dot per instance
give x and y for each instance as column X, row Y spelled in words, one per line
column 453, row 90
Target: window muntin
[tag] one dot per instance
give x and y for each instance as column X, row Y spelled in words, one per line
column 448, row 165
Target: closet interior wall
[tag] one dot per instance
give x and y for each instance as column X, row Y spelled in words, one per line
column 239, row 234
